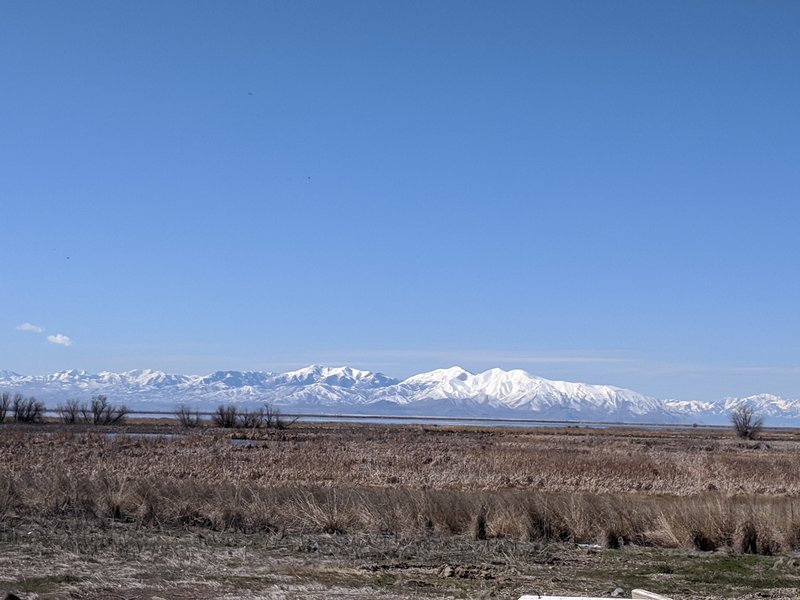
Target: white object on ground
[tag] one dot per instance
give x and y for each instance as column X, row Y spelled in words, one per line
column 635, row 595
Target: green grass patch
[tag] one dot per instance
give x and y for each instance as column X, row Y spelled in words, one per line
column 43, row 585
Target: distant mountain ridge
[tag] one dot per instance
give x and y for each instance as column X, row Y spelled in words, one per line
column 452, row 392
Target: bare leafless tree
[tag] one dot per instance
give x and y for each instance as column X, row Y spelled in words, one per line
column 251, row 419
column 27, row 410
column 101, row 412
column 5, row 404
column 746, row 423
column 225, row 416
column 273, row 419
column 69, row 412
column 233, row 416
column 187, row 417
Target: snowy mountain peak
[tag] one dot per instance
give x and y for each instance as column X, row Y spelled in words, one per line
column 234, row 379
column 69, row 375
column 439, row 375
column 764, row 404
column 762, row 398
column 518, row 390
column 320, row 371
column 345, row 377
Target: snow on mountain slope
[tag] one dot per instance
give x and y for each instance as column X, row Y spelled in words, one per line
column 139, row 377
column 313, row 386
column 232, row 379
column 773, row 409
column 519, row 391
column 344, row 377
column 441, row 392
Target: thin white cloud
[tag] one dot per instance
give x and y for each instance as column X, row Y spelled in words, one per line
column 60, row 339
column 30, row 327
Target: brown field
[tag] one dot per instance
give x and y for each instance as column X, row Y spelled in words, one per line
column 396, row 511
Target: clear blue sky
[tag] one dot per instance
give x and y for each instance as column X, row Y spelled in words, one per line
column 593, row 191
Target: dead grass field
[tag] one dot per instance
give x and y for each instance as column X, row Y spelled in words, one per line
column 384, row 511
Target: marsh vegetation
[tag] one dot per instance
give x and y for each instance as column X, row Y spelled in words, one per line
column 541, row 492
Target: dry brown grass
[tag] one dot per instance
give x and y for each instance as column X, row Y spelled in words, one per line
column 680, row 489
column 565, row 460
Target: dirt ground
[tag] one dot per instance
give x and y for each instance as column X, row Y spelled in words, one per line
column 79, row 559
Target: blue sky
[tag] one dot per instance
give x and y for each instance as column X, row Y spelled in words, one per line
column 593, row 191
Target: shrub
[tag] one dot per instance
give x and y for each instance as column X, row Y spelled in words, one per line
column 101, row 412
column 233, row 416
column 746, row 423
column 27, row 410
column 329, row 511
column 274, row 420
column 187, row 417
column 69, row 412
column 479, row 525
column 226, row 416
column 791, row 536
column 5, row 404
column 747, row 538
column 251, row 419
column 701, row 541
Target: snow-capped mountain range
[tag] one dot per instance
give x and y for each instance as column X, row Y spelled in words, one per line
column 452, row 392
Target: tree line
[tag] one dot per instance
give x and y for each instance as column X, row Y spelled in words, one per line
column 230, row 415
column 20, row 409
column 17, row 408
